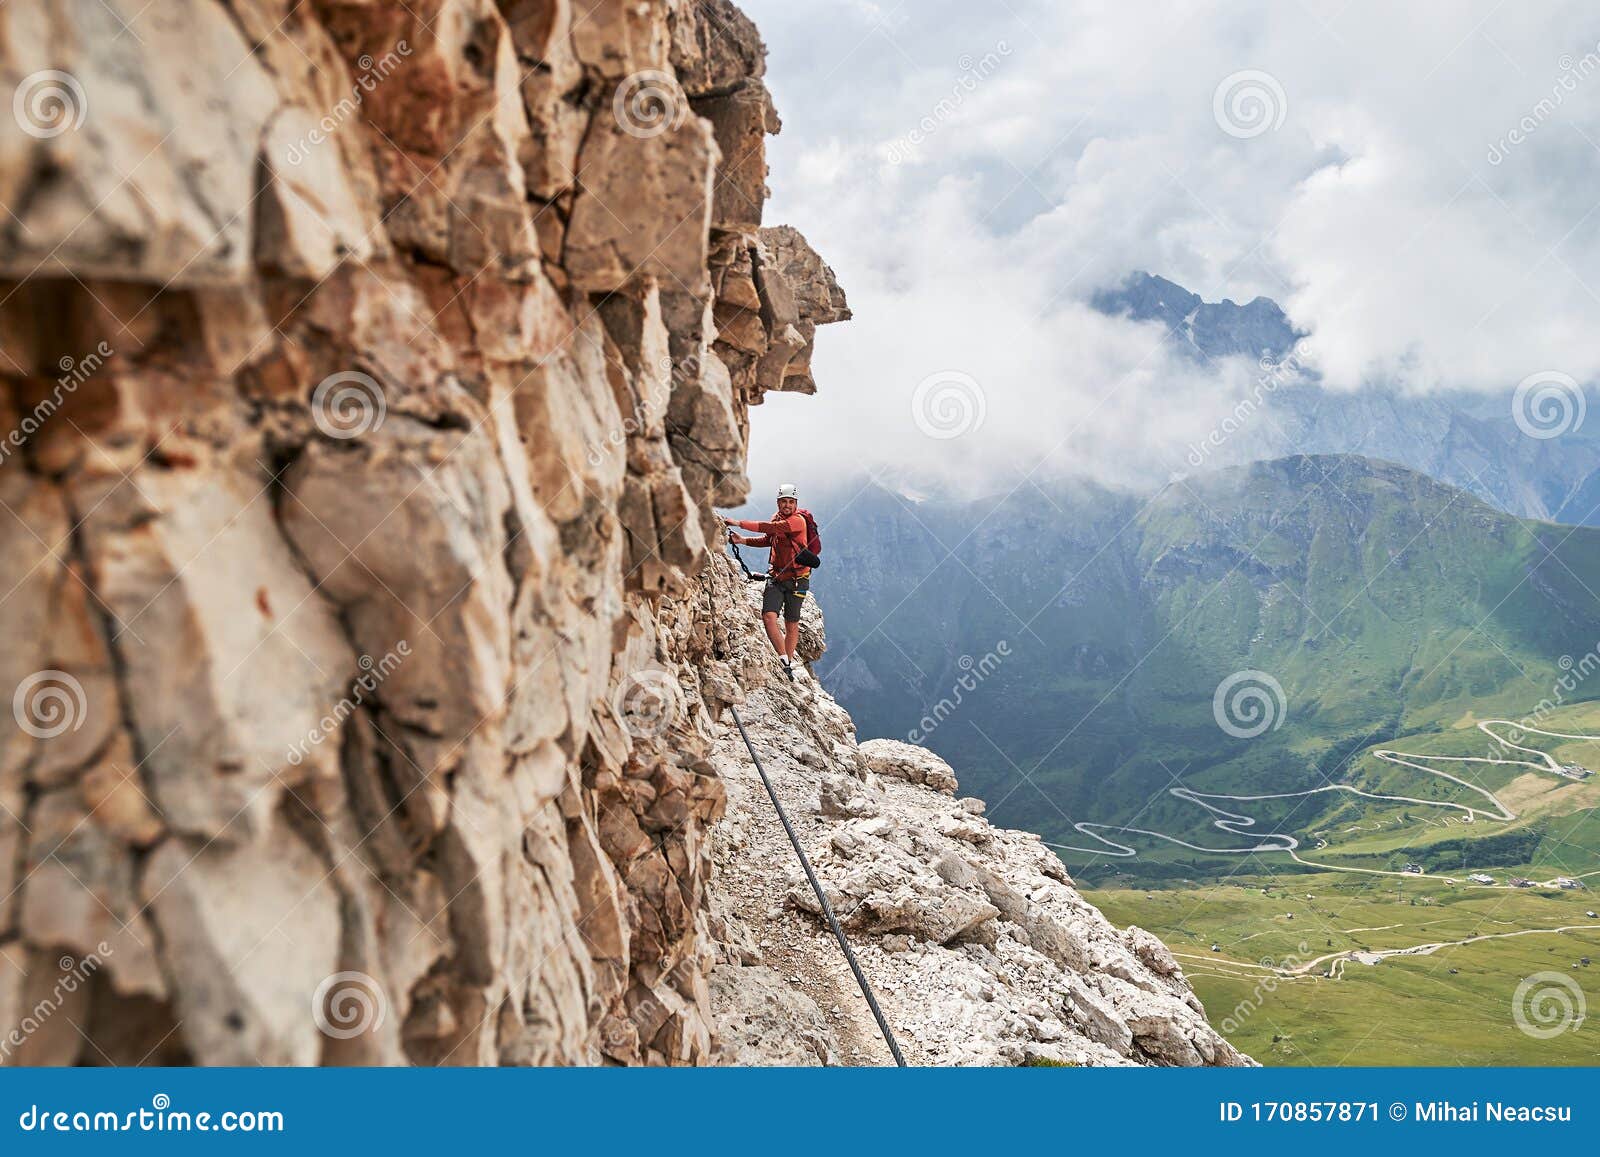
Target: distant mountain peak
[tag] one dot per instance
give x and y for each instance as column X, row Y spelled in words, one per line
column 1204, row 329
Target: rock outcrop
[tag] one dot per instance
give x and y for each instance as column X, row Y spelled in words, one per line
column 979, row 947
column 372, row 372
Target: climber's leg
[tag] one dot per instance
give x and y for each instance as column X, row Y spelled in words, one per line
column 774, row 632
column 772, row 602
column 770, row 621
column 794, row 602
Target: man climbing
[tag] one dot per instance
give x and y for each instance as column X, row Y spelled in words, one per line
column 788, row 579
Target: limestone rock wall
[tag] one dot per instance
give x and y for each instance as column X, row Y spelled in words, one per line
column 370, row 373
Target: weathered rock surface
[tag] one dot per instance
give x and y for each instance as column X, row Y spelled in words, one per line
column 371, row 374
column 977, row 944
column 895, row 760
column 761, row 1020
column 375, row 370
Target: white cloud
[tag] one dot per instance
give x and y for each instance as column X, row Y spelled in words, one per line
column 1374, row 213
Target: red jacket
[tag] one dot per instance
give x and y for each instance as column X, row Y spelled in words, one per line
column 785, row 537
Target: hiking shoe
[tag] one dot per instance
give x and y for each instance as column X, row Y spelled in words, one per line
column 787, row 670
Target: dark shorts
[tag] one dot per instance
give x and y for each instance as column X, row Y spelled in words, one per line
column 787, row 595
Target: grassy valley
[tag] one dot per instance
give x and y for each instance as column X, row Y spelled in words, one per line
column 1364, row 621
column 1285, row 988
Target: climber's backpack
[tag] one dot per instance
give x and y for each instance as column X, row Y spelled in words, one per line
column 811, row 556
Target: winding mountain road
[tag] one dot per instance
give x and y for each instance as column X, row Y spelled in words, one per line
column 1235, row 823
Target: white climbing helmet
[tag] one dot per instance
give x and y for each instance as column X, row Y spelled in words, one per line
column 788, row 490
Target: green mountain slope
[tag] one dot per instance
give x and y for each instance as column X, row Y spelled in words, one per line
column 1383, row 604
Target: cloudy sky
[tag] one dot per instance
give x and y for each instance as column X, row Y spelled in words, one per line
column 1416, row 184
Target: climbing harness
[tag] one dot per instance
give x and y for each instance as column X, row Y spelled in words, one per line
column 822, row 899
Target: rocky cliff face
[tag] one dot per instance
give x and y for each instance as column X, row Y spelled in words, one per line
column 370, row 375
column 978, row 945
